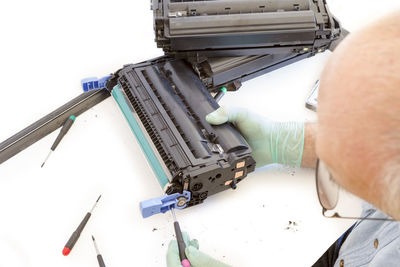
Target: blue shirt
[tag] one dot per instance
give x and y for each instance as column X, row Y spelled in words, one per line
column 371, row 243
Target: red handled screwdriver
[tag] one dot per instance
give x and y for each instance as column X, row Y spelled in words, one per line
column 75, row 235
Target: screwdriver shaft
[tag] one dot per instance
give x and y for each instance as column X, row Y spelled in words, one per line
column 48, row 155
column 99, row 257
column 173, row 215
column 95, row 204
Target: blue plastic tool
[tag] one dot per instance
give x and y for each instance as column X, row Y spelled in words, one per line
column 93, row 83
column 164, row 204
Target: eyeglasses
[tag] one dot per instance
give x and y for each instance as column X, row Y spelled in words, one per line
column 328, row 193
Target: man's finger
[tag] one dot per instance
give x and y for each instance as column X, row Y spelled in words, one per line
column 194, row 243
column 198, row 258
column 173, row 259
column 186, row 238
column 218, row 117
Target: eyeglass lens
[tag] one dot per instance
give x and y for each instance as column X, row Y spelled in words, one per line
column 328, row 190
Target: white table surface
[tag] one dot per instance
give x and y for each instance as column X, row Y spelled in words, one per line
column 46, row 47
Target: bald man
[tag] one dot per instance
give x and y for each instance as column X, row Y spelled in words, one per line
column 357, row 141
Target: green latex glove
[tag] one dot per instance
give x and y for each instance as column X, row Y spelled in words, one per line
column 196, row 257
column 271, row 142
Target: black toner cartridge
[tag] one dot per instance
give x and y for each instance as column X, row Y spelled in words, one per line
column 165, row 104
column 203, row 29
column 230, row 72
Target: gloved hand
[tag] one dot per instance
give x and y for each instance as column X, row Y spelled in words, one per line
column 271, row 142
column 196, row 258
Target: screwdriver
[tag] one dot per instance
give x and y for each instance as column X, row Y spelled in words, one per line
column 220, row 94
column 75, row 235
column 99, row 257
column 181, row 243
column 64, row 130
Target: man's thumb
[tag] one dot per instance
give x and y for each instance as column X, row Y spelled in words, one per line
column 218, row 117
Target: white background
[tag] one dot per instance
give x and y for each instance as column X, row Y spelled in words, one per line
column 46, row 47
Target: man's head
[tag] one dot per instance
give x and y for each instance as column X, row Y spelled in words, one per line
column 359, row 114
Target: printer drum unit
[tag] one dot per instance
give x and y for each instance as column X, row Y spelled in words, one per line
column 195, row 29
column 165, row 104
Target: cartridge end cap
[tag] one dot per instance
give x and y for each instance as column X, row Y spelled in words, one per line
column 66, row 251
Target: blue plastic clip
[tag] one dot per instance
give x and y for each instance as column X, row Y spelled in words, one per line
column 164, row 204
column 93, row 83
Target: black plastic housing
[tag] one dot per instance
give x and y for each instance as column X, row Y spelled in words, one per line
column 197, row 30
column 231, row 72
column 171, row 103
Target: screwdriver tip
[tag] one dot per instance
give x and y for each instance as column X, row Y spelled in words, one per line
column 95, row 246
column 95, row 204
column 48, row 155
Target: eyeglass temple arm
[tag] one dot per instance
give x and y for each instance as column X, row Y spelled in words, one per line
column 336, row 215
